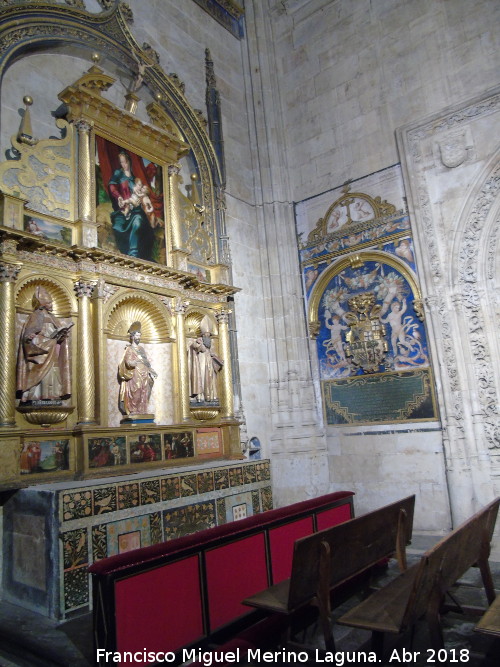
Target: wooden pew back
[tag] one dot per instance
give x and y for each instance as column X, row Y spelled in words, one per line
column 449, row 559
column 353, row 546
column 420, row 590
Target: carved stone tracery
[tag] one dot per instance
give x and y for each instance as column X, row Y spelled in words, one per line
column 461, row 322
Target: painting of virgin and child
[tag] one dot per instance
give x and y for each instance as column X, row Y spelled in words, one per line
column 130, row 205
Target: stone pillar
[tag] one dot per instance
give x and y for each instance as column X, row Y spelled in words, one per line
column 86, row 374
column 86, row 199
column 180, row 311
column 227, row 402
column 8, row 276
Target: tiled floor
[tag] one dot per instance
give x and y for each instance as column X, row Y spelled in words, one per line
column 30, row 640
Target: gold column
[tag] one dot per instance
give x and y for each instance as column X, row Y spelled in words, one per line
column 84, row 172
column 86, row 191
column 225, row 353
column 8, row 276
column 179, row 255
column 86, row 374
column 173, row 205
column 180, row 310
column 100, row 295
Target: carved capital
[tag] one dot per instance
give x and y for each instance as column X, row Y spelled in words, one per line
column 175, row 304
column 84, row 288
column 83, row 126
column 180, row 306
column 9, row 272
column 174, row 169
column 223, row 316
column 105, row 291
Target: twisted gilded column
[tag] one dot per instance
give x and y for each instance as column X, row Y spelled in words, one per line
column 173, row 205
column 225, row 353
column 86, row 188
column 8, row 277
column 84, row 171
column 86, row 375
column 180, row 311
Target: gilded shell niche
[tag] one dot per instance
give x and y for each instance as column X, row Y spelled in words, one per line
column 155, row 326
column 198, row 322
column 62, row 305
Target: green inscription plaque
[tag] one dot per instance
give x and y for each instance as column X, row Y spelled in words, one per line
column 382, row 397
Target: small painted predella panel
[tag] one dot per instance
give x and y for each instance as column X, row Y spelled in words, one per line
column 145, row 447
column 47, row 230
column 178, row 445
column 106, row 451
column 44, row 456
column 130, row 204
column 208, row 442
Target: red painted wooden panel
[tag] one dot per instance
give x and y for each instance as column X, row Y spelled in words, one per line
column 333, row 516
column 159, row 610
column 281, row 541
column 234, row 571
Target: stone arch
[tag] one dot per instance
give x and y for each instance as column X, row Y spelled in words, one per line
column 48, row 27
column 476, row 280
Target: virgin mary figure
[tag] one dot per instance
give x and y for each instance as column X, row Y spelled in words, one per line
column 135, row 189
column 133, row 232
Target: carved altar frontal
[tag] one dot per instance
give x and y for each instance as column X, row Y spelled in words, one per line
column 53, row 532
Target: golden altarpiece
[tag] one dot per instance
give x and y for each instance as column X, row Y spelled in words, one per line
column 118, row 373
column 100, row 239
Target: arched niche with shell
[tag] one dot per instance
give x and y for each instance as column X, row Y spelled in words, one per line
column 199, row 321
column 45, row 356
column 125, row 309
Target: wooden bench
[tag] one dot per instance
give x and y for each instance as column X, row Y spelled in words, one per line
column 490, row 622
column 187, row 592
column 420, row 590
column 330, row 558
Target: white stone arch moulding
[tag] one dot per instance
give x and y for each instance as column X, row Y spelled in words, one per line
column 474, row 276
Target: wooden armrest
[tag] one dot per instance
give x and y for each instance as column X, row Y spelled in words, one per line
column 384, row 610
column 274, row 598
